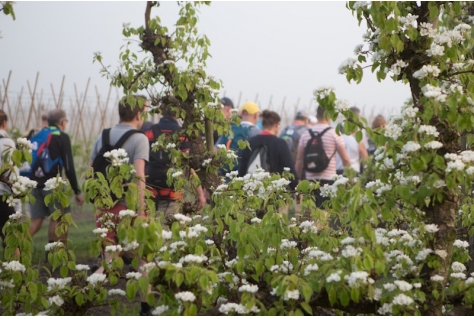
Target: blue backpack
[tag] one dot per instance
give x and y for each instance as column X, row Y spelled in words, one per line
column 41, row 164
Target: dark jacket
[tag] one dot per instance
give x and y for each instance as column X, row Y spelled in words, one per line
column 279, row 155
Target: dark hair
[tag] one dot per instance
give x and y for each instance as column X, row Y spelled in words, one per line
column 56, row 116
column 3, row 117
column 128, row 112
column 355, row 110
column 270, row 118
column 379, row 121
column 167, row 111
column 320, row 113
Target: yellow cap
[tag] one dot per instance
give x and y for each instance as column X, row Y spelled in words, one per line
column 249, row 108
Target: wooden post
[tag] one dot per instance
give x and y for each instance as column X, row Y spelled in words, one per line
column 32, row 105
column 238, row 102
column 61, row 94
column 5, row 97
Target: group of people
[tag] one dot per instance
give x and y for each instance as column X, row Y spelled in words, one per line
column 285, row 149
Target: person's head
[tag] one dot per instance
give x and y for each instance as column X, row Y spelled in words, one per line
column 302, row 117
column 3, row 120
column 44, row 119
column 249, row 112
column 355, row 110
column 378, row 122
column 227, row 106
column 132, row 113
column 167, row 111
column 57, row 117
column 271, row 121
column 320, row 115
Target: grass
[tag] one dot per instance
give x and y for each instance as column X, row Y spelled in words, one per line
column 78, row 238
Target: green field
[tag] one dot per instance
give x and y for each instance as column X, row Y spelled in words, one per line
column 78, row 238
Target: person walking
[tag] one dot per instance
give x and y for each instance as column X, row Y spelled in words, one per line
column 166, row 197
column 59, row 148
column 7, row 146
column 332, row 143
column 249, row 113
column 278, row 154
column 138, row 149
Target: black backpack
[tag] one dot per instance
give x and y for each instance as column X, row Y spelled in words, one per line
column 315, row 157
column 258, row 159
column 159, row 162
column 100, row 163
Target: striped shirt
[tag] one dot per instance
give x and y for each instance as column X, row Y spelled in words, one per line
column 330, row 142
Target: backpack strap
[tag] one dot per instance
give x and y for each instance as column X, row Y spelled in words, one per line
column 321, row 134
column 125, row 137
column 106, row 137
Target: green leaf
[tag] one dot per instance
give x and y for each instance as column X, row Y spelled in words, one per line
column 64, row 271
column 203, row 282
column 344, row 298
column 332, row 294
column 79, row 299
column 33, row 290
column 298, row 312
column 355, row 294
column 306, row 308
column 179, row 279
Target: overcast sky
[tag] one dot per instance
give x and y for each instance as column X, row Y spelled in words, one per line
column 270, row 49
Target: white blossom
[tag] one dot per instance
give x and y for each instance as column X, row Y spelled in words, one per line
column 58, row 283
column 24, row 144
column 117, row 157
column 437, row 278
column 458, row 267
column 133, row 275
column 427, row 70
column 249, row 288
column 434, row 145
column 185, row 296
column 431, row 228
column 402, row 300
column 431, row 91
column 56, row 300
column 426, row 29
column 410, row 147
column 347, row 64
column 14, row 266
column 118, row 292
column 50, row 246
column 323, row 91
column 94, row 279
column 334, row 277
column 458, row 275
column 341, row 105
column 396, row 68
column 127, row 212
column 403, row 285
column 429, row 130
column 158, row 311
column 291, row 294
column 461, row 243
column 80, row 267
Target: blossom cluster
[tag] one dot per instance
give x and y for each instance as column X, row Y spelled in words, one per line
column 117, row 157
column 54, row 183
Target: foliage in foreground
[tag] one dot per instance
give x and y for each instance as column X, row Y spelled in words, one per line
column 396, row 249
